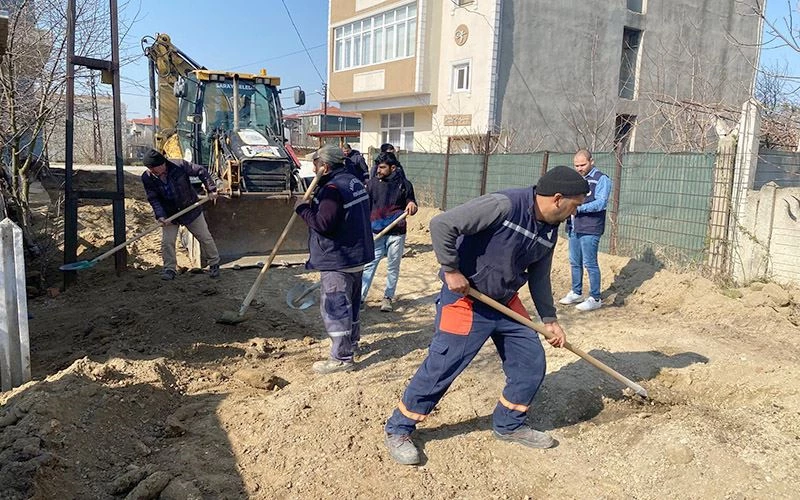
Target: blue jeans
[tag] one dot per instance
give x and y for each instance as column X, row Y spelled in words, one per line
column 583, row 253
column 391, row 247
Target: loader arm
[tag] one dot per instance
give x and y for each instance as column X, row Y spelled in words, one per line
column 167, row 64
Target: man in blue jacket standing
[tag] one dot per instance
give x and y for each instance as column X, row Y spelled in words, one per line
column 585, row 229
column 169, row 191
column 340, row 243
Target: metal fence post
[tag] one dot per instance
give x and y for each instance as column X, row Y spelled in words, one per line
column 614, row 216
column 485, row 173
column 545, row 163
column 446, row 173
column 15, row 355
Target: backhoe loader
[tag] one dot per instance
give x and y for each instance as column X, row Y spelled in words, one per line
column 232, row 123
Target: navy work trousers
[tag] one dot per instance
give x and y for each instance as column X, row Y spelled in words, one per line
column 462, row 327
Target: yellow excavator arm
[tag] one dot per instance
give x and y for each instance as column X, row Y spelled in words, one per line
column 167, row 64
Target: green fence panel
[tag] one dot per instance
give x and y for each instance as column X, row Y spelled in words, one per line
column 426, row 172
column 463, row 179
column 513, row 170
column 665, row 205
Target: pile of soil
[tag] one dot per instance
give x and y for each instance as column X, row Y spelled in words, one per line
column 139, row 393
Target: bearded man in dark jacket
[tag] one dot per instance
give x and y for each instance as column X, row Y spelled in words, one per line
column 391, row 194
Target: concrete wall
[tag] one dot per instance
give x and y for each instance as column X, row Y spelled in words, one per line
column 772, row 223
column 558, row 77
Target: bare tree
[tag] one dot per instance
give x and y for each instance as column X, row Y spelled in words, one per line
column 592, row 121
column 33, row 79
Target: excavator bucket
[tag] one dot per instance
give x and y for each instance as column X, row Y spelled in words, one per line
column 247, row 228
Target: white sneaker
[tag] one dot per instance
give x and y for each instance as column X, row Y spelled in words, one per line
column 589, row 304
column 570, row 298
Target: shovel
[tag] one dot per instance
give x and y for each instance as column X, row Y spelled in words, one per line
column 638, row 389
column 233, row 318
column 298, row 296
column 87, row 264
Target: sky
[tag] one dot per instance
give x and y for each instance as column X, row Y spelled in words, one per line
column 228, row 35
column 779, row 12
column 250, row 35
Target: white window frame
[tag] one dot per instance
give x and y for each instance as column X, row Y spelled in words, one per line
column 405, row 129
column 369, row 35
column 455, row 68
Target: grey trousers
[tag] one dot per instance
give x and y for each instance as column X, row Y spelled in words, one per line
column 199, row 229
column 339, row 306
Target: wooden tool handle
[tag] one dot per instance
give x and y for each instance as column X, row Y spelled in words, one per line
column 390, row 226
column 260, row 278
column 543, row 331
column 150, row 229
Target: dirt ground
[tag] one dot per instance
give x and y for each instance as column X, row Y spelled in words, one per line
column 137, row 390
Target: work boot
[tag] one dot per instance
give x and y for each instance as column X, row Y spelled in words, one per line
column 386, row 305
column 402, row 449
column 332, row 366
column 527, row 437
column 168, row 274
column 213, row 271
column 570, row 298
column 589, row 304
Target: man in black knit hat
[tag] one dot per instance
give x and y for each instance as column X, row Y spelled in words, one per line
column 495, row 244
column 169, row 191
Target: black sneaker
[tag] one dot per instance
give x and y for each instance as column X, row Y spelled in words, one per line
column 213, row 271
column 168, row 274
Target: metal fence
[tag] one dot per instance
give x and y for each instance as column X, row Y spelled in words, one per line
column 780, row 167
column 661, row 205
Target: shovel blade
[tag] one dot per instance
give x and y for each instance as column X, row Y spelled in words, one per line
column 78, row 266
column 300, row 296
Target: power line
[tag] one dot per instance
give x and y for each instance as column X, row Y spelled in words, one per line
column 303, row 43
column 279, row 57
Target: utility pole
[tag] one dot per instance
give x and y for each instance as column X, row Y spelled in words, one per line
column 323, row 124
column 98, row 138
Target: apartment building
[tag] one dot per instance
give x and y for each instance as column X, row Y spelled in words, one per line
column 541, row 74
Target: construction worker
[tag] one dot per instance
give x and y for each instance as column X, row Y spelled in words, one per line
column 169, row 190
column 340, row 243
column 494, row 244
column 357, row 162
column 390, row 195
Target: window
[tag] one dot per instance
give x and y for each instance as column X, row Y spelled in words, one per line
column 631, row 39
column 460, row 81
column 623, row 131
column 636, row 6
column 384, row 37
column 398, row 130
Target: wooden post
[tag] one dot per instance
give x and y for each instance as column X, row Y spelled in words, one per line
column 545, row 163
column 718, row 233
column 446, row 173
column 614, row 216
column 485, row 173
